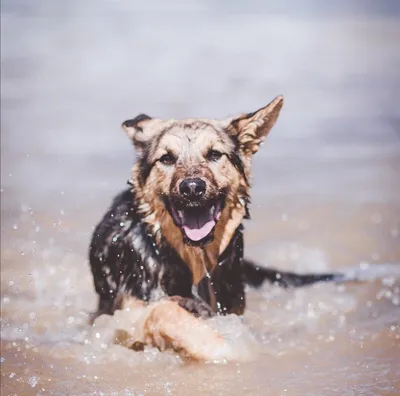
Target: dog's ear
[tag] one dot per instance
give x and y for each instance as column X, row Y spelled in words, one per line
column 251, row 129
column 139, row 129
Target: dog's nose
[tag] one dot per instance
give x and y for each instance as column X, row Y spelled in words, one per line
column 192, row 188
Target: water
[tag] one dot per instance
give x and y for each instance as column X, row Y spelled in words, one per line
column 325, row 194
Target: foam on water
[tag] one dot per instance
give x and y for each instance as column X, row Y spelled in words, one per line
column 59, row 314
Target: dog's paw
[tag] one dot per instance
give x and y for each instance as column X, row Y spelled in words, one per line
column 196, row 307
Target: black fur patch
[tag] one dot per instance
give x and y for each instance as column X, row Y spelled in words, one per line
column 145, row 166
column 133, row 123
column 238, row 164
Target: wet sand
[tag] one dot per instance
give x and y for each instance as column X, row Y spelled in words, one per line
column 325, row 192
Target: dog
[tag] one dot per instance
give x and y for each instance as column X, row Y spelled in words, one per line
column 176, row 233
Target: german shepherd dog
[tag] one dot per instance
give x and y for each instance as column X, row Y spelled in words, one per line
column 177, row 232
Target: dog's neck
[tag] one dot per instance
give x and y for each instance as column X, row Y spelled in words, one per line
column 200, row 260
column 203, row 259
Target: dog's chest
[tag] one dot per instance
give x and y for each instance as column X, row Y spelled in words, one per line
column 155, row 268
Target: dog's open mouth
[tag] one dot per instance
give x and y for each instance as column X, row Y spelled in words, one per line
column 197, row 222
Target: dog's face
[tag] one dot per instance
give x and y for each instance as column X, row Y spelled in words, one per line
column 195, row 168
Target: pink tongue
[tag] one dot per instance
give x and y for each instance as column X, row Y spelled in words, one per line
column 197, row 225
column 196, row 234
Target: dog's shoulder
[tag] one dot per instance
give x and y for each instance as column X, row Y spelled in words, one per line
column 123, row 204
column 119, row 219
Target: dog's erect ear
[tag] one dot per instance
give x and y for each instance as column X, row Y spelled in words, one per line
column 251, row 129
column 138, row 129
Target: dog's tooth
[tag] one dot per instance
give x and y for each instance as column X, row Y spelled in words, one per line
column 180, row 214
column 212, row 209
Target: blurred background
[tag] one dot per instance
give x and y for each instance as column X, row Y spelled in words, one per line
column 326, row 188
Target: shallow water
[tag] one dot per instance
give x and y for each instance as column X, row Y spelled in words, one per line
column 325, row 195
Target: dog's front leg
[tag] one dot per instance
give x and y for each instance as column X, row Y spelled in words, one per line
column 170, row 323
column 195, row 306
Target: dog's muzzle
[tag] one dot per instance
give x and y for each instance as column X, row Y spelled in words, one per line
column 194, row 213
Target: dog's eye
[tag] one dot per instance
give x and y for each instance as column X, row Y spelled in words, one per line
column 214, row 155
column 168, row 159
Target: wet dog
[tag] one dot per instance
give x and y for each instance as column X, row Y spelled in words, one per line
column 177, row 232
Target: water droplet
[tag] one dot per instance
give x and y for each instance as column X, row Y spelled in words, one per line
column 33, row 381
column 2, row 360
column 97, row 335
column 169, row 388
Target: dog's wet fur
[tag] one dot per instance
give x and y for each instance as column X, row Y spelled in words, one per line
column 177, row 231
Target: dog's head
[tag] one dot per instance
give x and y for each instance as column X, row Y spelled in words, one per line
column 197, row 169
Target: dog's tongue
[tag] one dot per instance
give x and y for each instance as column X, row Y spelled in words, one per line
column 198, row 224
